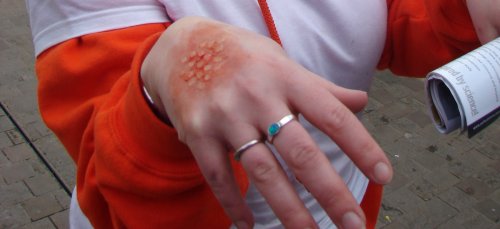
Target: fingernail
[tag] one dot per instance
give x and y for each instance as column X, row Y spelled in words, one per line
column 382, row 173
column 242, row 225
column 351, row 220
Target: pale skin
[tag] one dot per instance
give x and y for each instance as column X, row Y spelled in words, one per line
column 221, row 86
column 486, row 18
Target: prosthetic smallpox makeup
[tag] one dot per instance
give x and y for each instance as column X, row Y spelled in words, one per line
column 202, row 63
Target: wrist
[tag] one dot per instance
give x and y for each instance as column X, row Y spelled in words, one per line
column 152, row 105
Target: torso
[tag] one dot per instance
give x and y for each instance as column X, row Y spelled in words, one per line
column 325, row 37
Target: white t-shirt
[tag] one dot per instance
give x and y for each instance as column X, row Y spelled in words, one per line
column 339, row 40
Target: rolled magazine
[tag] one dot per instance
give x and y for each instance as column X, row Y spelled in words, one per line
column 465, row 93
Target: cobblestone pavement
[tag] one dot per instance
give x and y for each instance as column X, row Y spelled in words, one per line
column 440, row 181
column 32, row 163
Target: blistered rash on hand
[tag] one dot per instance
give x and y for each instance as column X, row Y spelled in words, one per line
column 203, row 63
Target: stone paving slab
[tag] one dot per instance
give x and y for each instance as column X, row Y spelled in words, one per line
column 30, row 196
column 441, row 181
column 18, row 89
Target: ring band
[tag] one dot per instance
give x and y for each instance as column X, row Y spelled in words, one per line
column 275, row 128
column 243, row 148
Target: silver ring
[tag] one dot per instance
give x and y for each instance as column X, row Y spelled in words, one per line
column 275, row 128
column 243, row 148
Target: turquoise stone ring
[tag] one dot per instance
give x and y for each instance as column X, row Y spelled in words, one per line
column 275, row 127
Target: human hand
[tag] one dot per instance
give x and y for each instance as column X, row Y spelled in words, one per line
column 485, row 15
column 222, row 86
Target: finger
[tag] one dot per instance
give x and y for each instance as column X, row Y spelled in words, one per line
column 267, row 175
column 314, row 170
column 355, row 100
column 240, row 133
column 486, row 23
column 213, row 161
column 333, row 118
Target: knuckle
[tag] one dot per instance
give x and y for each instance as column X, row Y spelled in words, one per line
column 368, row 147
column 194, row 127
column 220, row 184
column 218, row 181
column 302, row 154
column 338, row 118
column 329, row 198
column 229, row 204
column 333, row 196
column 263, row 171
column 297, row 219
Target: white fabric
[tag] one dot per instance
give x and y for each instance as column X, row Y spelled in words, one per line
column 77, row 220
column 54, row 21
column 339, row 40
